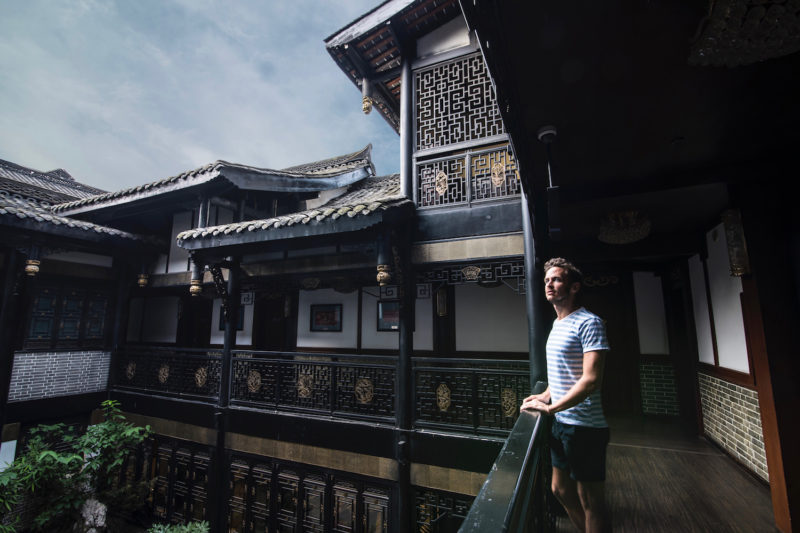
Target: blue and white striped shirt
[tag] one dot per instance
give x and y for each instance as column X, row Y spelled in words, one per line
column 570, row 338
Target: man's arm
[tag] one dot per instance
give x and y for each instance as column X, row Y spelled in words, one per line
column 543, row 397
column 591, row 379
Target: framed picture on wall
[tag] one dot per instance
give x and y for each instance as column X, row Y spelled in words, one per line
column 326, row 317
column 388, row 315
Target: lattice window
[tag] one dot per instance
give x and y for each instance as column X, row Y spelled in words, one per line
column 455, row 102
column 442, row 182
column 467, row 177
column 439, row 511
column 493, row 175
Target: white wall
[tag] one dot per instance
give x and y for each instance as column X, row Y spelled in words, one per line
column 7, row 451
column 160, row 319
column 651, row 319
column 726, row 304
column 347, row 338
column 179, row 257
column 452, row 35
column 492, row 320
column 243, row 337
column 371, row 338
column 135, row 312
column 702, row 319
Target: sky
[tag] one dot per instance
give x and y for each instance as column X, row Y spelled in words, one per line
column 124, row 92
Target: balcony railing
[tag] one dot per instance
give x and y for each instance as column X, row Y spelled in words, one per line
column 464, row 395
column 515, row 495
column 190, row 373
column 337, row 385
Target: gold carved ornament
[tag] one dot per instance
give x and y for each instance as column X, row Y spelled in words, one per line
column 32, row 267
column 443, row 397
column 508, row 399
column 253, row 381
column 498, row 173
column 471, row 272
column 384, row 276
column 163, row 373
column 130, row 370
column 305, row 385
column 364, row 391
column 201, row 376
column 441, row 183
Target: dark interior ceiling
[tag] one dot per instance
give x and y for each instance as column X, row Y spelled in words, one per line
column 634, row 117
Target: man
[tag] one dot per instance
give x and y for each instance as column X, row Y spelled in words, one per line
column 576, row 351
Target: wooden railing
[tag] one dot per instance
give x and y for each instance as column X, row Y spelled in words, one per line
column 465, row 395
column 514, row 496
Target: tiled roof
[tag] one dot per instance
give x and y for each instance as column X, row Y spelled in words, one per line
column 319, row 169
column 371, row 195
column 53, row 186
column 15, row 209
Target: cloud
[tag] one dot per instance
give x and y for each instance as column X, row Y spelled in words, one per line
column 120, row 93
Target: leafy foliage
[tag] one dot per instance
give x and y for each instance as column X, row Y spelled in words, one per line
column 191, row 527
column 54, row 484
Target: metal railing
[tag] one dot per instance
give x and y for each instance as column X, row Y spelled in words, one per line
column 514, row 496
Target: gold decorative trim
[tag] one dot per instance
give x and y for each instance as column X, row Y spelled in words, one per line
column 384, row 276
column 508, row 399
column 130, row 370
column 447, row 479
column 32, row 267
column 163, row 374
column 254, row 381
column 471, row 272
column 196, row 287
column 443, row 397
column 364, row 391
column 499, row 173
column 441, row 183
column 366, row 104
column 201, row 376
column 305, row 385
column 142, row 280
column 470, row 250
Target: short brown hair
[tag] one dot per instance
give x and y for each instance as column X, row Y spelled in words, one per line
column 573, row 273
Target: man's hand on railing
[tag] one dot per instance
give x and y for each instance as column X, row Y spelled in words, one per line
column 537, row 402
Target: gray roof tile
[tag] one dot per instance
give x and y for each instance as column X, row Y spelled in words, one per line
column 363, row 198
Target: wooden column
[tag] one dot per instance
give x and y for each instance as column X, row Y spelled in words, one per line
column 406, row 131
column 11, row 320
column 771, row 308
column 232, row 299
column 404, row 407
column 533, row 304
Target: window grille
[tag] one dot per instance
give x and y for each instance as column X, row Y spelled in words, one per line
column 455, row 102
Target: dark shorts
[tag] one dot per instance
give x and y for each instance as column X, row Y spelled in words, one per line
column 579, row 450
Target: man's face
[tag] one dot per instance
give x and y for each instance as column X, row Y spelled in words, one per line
column 557, row 289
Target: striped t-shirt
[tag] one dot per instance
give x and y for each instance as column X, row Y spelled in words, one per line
column 570, row 338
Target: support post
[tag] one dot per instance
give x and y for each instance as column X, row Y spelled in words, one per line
column 231, row 309
column 406, row 131
column 405, row 396
column 10, row 323
column 533, row 303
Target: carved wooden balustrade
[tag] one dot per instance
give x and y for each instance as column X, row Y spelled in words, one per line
column 466, row 395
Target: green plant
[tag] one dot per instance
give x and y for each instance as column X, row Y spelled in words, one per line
column 191, row 527
column 54, row 484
